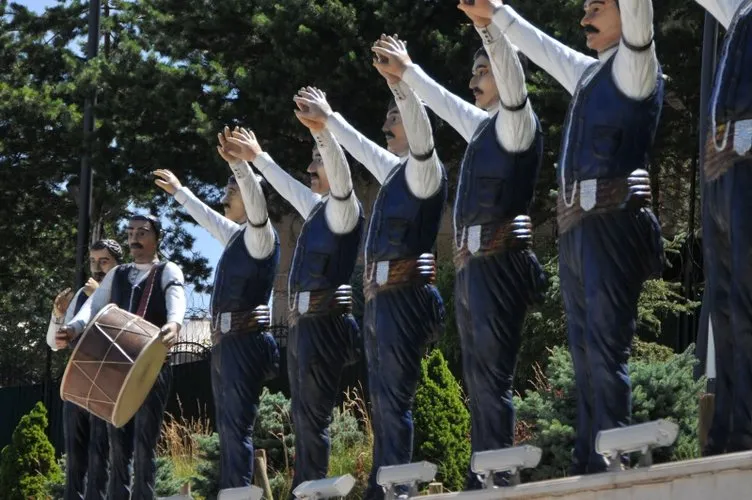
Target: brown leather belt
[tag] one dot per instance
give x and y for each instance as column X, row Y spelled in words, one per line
column 385, row 274
column 717, row 162
column 333, row 300
column 610, row 195
column 494, row 238
column 253, row 321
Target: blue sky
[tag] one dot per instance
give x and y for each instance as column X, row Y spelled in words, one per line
column 205, row 244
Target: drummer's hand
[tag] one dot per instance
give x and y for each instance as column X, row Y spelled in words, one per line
column 63, row 337
column 169, row 334
column 90, row 286
column 62, row 301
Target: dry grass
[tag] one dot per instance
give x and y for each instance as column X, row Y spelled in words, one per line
column 178, row 442
column 358, row 459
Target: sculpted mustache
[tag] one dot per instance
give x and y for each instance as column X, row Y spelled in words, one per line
column 389, row 135
column 591, row 29
column 476, row 90
column 136, row 245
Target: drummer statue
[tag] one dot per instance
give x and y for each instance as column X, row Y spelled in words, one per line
column 153, row 290
column 86, row 444
column 244, row 353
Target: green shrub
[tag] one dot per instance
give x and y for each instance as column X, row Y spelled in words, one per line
column 442, row 422
column 27, row 464
column 660, row 389
column 167, row 482
column 206, row 480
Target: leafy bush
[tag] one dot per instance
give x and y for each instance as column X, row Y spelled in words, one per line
column 442, row 422
column 27, row 464
column 661, row 388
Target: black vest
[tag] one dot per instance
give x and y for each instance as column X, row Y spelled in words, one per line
column 241, row 282
column 324, row 260
column 128, row 297
column 402, row 225
column 495, row 185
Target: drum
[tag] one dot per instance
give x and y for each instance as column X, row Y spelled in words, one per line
column 114, row 365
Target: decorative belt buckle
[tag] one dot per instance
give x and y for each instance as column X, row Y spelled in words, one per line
column 588, row 194
column 225, row 322
column 473, row 238
column 742, row 137
column 382, row 272
column 304, row 302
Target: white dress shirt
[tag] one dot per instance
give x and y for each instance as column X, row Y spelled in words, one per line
column 341, row 215
column 423, row 177
column 174, row 295
column 56, row 322
column 635, row 73
column 259, row 241
column 722, row 10
column 515, row 130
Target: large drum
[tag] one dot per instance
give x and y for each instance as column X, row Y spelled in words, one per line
column 114, row 365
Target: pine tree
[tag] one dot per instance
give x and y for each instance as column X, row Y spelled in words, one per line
column 442, row 422
column 27, row 464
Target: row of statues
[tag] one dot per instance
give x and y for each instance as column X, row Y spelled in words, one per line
column 609, row 244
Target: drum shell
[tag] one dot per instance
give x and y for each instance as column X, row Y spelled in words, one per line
column 114, row 365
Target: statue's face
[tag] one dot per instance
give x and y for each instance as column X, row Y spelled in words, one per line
column 602, row 24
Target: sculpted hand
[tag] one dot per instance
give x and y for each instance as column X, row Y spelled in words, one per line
column 391, row 57
column 227, row 149
column 169, row 334
column 480, row 12
column 63, row 337
column 312, row 105
column 244, row 145
column 167, row 181
column 62, row 301
column 90, row 286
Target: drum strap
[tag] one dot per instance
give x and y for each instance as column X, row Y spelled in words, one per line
column 149, row 286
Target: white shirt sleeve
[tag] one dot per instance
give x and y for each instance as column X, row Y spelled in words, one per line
column 56, row 322
column 423, row 176
column 635, row 73
column 258, row 240
column 566, row 65
column 515, row 130
column 175, row 302
column 218, row 225
column 376, row 159
column 99, row 299
column 460, row 114
column 722, row 10
column 296, row 193
column 341, row 214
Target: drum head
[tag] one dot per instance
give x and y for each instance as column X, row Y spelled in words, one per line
column 139, row 382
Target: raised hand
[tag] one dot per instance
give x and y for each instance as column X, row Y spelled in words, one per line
column 391, row 58
column 90, row 286
column 244, row 144
column 167, row 181
column 62, row 301
column 227, row 149
column 312, row 105
column 480, row 12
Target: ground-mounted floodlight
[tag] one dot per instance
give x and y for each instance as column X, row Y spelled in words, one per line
column 244, row 493
column 512, row 460
column 641, row 438
column 331, row 487
column 392, row 476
